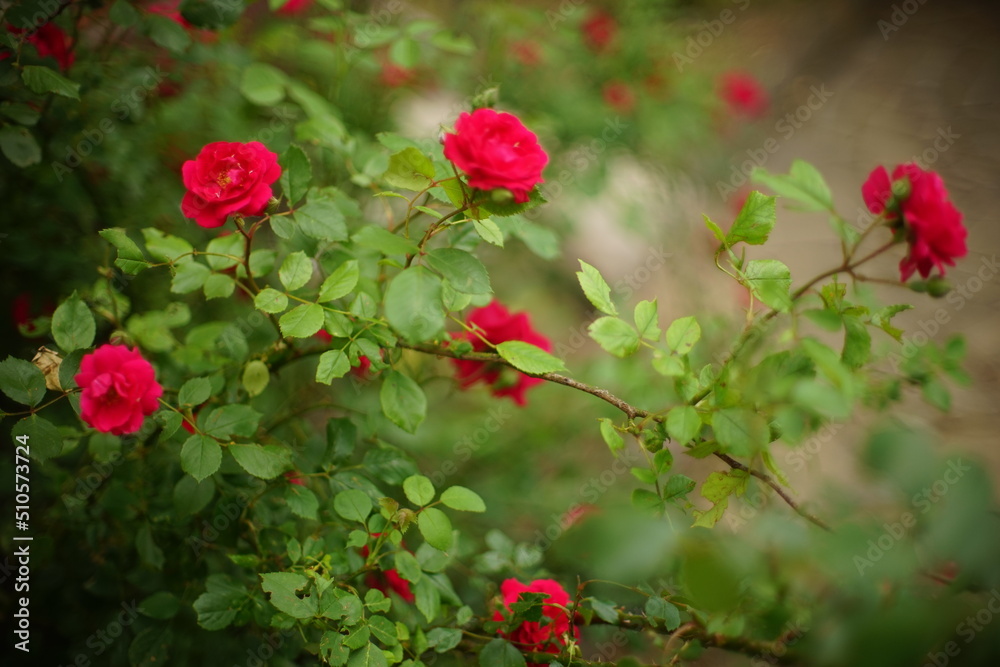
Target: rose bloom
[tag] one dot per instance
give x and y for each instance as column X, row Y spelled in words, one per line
column 119, row 389
column 387, row 580
column 496, row 151
column 226, row 178
column 395, row 76
column 743, row 94
column 532, row 636
column 498, row 325
column 526, row 52
column 293, row 7
column 293, row 477
column 599, row 30
column 619, row 96
column 50, row 41
column 933, row 225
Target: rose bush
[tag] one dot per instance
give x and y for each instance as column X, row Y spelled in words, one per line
column 933, row 226
column 228, row 178
column 548, row 636
column 118, row 389
column 496, row 151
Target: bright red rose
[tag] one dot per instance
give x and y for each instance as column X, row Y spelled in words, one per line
column 933, row 225
column 532, row 636
column 293, row 477
column 119, row 389
column 171, row 9
column 599, row 30
column 293, row 7
column 498, row 326
column 50, row 41
column 619, row 96
column 743, row 94
column 226, row 178
column 496, row 151
column 387, row 580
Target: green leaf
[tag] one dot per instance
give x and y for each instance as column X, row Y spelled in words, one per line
column 301, row 501
column 149, row 552
column 462, row 499
column 596, row 289
column 226, row 251
column 717, row 488
column 443, row 640
column 230, row 420
column 489, row 231
column 408, row 566
column 403, row 401
column 162, row 606
column 302, row 321
column 615, row 335
column 741, row 432
column 377, row 602
column 660, row 610
column 256, row 377
column 677, row 486
column 195, row 391
column 188, row 276
column 270, row 300
column 130, row 259
column 295, row 271
column 218, row 605
column 717, row 232
column 43, row 439
column 332, row 649
column 418, row 489
column 167, row 33
column 409, row 169
column 754, row 222
column 219, row 286
column 500, row 653
column 368, row 655
column 769, row 280
column 413, row 304
column 321, row 218
column 612, row 438
column 151, row 646
column 22, row 381
column 332, row 364
column 682, row 334
column 211, row 15
column 123, row 14
column 381, row 627
column 683, row 423
column 857, row 343
column 465, row 273
column 41, row 80
column 265, row 462
column 200, row 456
column 529, row 358
column 283, row 588
column 646, row 320
column 353, row 505
column 384, row 241
column 191, row 496
column 263, row 84
column 341, row 282
column 435, row 526
column 19, row 145
column 803, row 184
column 166, row 248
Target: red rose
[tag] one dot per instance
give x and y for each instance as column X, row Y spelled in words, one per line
column 496, row 151
column 119, row 389
column 171, row 9
column 933, row 225
column 619, row 96
column 526, row 52
column 293, row 477
column 599, row 30
column 387, row 580
column 532, row 636
column 228, row 178
column 395, row 76
column 743, row 94
column 48, row 40
column 293, row 7
column 498, row 326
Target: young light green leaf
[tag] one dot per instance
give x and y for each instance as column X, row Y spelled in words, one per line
column 381, row 239
column 409, row 169
column 295, row 271
column 341, row 282
column 130, row 259
column 353, row 505
column 302, row 321
column 231, row 420
column 256, row 377
column 529, row 358
column 682, row 334
column 612, row 438
column 596, row 289
column 463, row 499
column 770, row 280
column 283, row 589
column 413, row 304
column 740, row 431
column 646, row 320
column 500, row 653
column 803, row 184
column 683, row 423
column 332, row 364
column 489, row 231
column 717, row 488
column 435, row 526
column 219, row 286
column 296, row 174
column 403, row 401
column 418, row 489
column 755, row 220
column 73, row 324
column 41, row 80
column 465, row 273
column 320, row 218
column 263, row 84
column 615, row 335
column 270, row 300
column 194, row 392
column 265, row 462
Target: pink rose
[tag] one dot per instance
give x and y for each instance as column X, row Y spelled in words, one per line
column 119, row 389
column 498, row 326
column 933, row 225
column 532, row 636
column 496, row 151
column 743, row 94
column 226, row 178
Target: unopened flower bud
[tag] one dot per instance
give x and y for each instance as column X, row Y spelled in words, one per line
column 272, row 205
column 901, row 188
column 937, row 287
column 919, row 286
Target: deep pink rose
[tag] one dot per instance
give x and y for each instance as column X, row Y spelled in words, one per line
column 119, row 389
column 496, row 151
column 743, row 94
column 293, row 7
column 599, row 30
column 498, row 326
column 933, row 225
column 532, row 636
column 226, row 178
column 50, row 41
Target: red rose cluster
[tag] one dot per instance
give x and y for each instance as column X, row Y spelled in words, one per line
column 498, row 325
column 532, row 636
column 932, row 224
column 119, row 389
column 227, row 178
column 387, row 580
column 50, row 41
column 496, row 151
